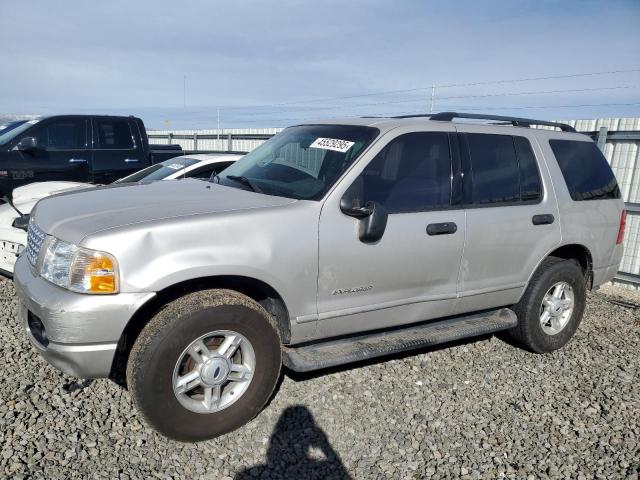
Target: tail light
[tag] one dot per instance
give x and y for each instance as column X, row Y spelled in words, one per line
column 623, row 222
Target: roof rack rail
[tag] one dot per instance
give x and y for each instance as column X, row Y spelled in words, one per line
column 415, row 116
column 515, row 121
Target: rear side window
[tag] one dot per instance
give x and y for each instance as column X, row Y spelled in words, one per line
column 411, row 174
column 114, row 134
column 503, row 170
column 585, row 170
column 494, row 169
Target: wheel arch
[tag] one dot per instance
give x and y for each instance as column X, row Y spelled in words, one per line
column 570, row 251
column 578, row 252
column 255, row 289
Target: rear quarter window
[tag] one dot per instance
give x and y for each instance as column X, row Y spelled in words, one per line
column 585, row 170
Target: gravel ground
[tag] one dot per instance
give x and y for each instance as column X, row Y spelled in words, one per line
column 477, row 410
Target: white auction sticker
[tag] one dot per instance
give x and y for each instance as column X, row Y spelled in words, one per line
column 175, row 166
column 332, row 144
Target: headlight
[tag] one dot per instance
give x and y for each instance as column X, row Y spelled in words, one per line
column 79, row 269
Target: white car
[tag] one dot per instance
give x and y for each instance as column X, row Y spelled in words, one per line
column 13, row 235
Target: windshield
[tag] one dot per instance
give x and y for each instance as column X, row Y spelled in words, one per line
column 10, row 126
column 300, row 162
column 12, row 131
column 159, row 171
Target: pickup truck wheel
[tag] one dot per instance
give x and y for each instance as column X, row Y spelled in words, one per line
column 552, row 306
column 205, row 365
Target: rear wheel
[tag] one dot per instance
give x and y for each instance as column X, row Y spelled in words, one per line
column 204, row 365
column 552, row 306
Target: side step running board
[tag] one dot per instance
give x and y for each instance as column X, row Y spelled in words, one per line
column 331, row 353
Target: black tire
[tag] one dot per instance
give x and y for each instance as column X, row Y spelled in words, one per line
column 529, row 333
column 162, row 341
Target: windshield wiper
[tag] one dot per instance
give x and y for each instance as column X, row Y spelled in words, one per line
column 245, row 181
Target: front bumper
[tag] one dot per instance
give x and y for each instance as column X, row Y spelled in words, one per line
column 82, row 331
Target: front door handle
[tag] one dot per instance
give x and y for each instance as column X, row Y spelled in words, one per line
column 131, row 160
column 77, row 160
column 446, row 228
column 544, row 219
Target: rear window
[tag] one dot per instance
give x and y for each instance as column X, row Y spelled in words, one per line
column 585, row 170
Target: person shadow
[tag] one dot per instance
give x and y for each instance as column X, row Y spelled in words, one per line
column 298, row 449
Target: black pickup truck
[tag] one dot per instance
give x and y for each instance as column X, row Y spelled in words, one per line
column 80, row 148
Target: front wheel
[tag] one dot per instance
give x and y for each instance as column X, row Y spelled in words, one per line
column 205, row 365
column 551, row 307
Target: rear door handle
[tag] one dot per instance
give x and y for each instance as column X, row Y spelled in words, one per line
column 77, row 160
column 446, row 228
column 544, row 219
column 131, row 160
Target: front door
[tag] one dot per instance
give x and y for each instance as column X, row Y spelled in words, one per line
column 116, row 149
column 61, row 153
column 411, row 273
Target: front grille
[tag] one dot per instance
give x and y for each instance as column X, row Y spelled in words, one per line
column 35, row 239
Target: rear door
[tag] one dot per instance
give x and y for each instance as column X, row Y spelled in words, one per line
column 117, row 149
column 512, row 218
column 61, row 154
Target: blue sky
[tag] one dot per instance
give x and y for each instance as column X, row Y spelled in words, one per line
column 274, row 63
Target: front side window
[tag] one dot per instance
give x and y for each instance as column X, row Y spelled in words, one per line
column 114, row 135
column 585, row 170
column 411, row 174
column 60, row 135
column 301, row 162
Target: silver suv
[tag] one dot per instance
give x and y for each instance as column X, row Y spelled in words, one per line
column 333, row 242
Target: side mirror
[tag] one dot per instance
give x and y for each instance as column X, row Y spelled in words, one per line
column 22, row 222
column 27, row 144
column 372, row 216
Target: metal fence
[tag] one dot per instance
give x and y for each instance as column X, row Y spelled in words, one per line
column 223, row 140
column 618, row 138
